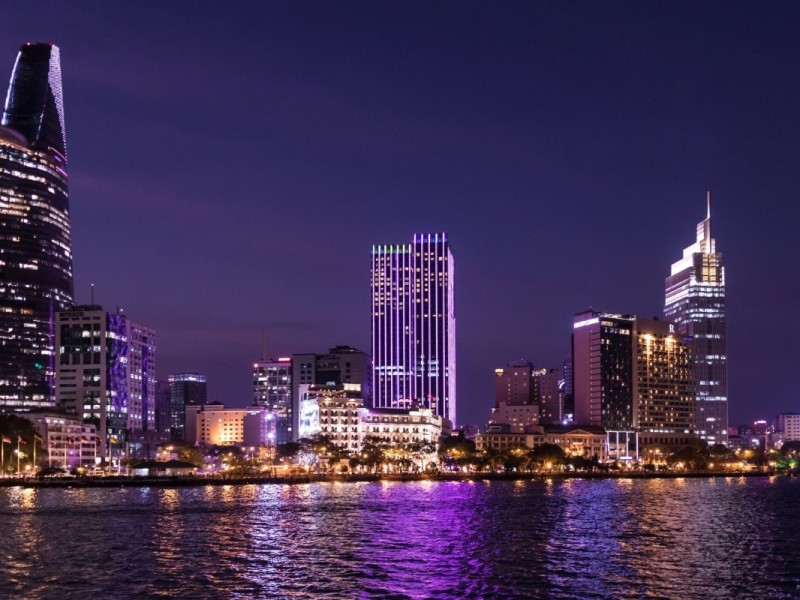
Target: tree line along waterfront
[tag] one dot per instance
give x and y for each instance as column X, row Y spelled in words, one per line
column 319, row 457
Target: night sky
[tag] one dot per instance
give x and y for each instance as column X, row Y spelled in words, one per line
column 231, row 165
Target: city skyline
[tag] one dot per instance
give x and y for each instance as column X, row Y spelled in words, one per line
column 545, row 178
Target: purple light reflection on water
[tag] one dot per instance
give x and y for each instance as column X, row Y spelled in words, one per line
column 710, row 538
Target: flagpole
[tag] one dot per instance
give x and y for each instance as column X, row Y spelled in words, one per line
column 17, row 454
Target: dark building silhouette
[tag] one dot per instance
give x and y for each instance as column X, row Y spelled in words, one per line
column 185, row 389
column 35, row 240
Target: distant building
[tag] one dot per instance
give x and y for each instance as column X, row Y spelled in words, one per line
column 586, row 441
column 341, row 365
column 68, row 442
column 272, row 389
column 633, row 374
column 215, row 425
column 185, row 389
column 550, row 395
column 163, row 410
column 695, row 302
column 106, row 375
column 515, row 397
column 788, row 426
column 35, row 238
column 414, row 325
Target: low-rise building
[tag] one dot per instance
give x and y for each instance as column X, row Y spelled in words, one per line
column 335, row 411
column 215, row 425
column 575, row 441
column 399, row 426
column 68, row 442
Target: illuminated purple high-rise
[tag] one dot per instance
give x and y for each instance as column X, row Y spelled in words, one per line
column 695, row 302
column 414, row 325
column 35, row 239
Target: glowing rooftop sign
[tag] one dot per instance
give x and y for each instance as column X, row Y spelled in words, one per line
column 586, row 322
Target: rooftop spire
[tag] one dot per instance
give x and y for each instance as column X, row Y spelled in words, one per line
column 708, row 204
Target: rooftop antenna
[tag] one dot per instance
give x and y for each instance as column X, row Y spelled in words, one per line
column 92, row 292
column 263, row 345
column 708, row 204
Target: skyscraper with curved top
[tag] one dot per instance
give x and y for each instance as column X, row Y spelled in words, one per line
column 695, row 302
column 35, row 239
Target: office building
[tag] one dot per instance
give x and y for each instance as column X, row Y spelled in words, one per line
column 185, row 389
column 633, row 375
column 163, row 421
column 550, row 395
column 602, row 359
column 35, row 237
column 272, row 388
column 105, row 375
column 787, row 427
column 515, row 402
column 695, row 302
column 414, row 326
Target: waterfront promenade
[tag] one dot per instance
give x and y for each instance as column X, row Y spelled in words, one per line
column 196, row 481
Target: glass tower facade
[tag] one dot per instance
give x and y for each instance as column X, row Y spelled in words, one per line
column 35, row 239
column 414, row 325
column 185, row 389
column 695, row 302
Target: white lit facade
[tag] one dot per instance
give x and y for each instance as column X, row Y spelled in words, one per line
column 68, row 441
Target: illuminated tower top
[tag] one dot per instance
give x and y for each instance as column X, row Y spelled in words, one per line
column 34, row 105
column 704, row 244
column 695, row 301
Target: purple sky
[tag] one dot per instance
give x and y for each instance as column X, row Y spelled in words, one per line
column 231, row 164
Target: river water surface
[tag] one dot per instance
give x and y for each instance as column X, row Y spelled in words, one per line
column 693, row 538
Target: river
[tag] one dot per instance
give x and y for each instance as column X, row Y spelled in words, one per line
column 660, row 538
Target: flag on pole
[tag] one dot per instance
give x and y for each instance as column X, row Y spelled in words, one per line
column 20, row 440
column 6, row 440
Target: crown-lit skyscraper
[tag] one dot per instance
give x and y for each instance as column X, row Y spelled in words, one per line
column 414, row 325
column 695, row 302
column 35, row 241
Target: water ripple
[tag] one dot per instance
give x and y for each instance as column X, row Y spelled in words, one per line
column 696, row 538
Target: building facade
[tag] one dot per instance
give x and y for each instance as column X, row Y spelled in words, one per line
column 341, row 365
column 215, row 425
column 35, row 235
column 272, row 389
column 635, row 375
column 105, row 375
column 586, row 441
column 68, row 441
column 602, row 358
column 185, row 389
column 335, row 411
column 695, row 302
column 414, row 326
column 787, row 426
